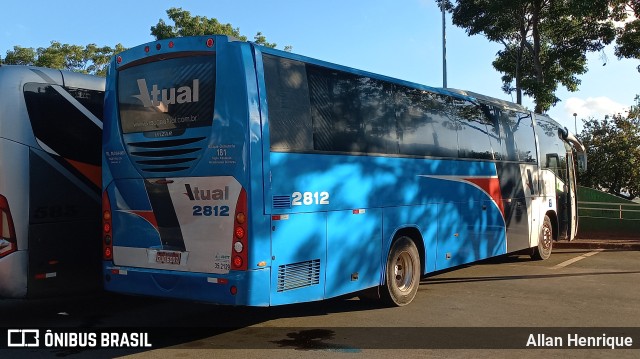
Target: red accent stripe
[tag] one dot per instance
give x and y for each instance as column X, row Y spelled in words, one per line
column 93, row 173
column 492, row 187
column 148, row 215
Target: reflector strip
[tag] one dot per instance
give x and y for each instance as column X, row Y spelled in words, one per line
column 217, row 280
column 119, row 271
column 280, row 217
column 359, row 211
column 46, row 275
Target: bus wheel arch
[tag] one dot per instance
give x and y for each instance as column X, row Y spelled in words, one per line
column 404, row 268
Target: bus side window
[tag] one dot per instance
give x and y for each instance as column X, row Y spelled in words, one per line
column 425, row 127
column 519, row 136
column 351, row 113
column 473, row 133
column 61, row 126
column 288, row 105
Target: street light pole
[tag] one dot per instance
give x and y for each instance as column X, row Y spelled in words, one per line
column 575, row 122
column 444, row 48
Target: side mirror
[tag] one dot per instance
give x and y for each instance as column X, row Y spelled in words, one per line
column 582, row 162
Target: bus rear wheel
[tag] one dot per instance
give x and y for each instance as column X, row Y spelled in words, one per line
column 402, row 273
column 545, row 242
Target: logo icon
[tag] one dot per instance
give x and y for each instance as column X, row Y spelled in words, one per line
column 164, row 97
column 23, row 338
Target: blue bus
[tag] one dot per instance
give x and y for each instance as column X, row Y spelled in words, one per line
column 243, row 175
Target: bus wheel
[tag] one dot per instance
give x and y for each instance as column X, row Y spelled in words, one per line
column 403, row 273
column 545, row 242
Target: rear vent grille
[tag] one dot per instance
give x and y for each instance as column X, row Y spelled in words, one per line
column 282, row 202
column 298, row 275
column 169, row 156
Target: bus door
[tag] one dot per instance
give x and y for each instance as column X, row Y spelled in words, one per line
column 558, row 165
column 572, row 199
column 533, row 200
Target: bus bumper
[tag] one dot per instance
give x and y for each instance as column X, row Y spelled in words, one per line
column 246, row 288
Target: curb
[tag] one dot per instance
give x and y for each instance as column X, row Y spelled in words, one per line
column 621, row 245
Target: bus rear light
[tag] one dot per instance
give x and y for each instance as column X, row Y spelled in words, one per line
column 240, row 240
column 119, row 59
column 210, row 42
column 107, row 229
column 239, row 232
column 8, row 242
column 158, row 47
column 147, row 49
column 171, row 44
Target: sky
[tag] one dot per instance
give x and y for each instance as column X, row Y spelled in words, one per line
column 397, row 38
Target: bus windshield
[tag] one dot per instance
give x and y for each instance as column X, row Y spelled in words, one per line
column 149, row 95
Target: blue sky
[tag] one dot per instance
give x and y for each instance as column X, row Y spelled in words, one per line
column 401, row 39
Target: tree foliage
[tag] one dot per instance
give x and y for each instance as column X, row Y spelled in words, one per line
column 93, row 59
column 545, row 41
column 187, row 25
column 628, row 41
column 89, row 59
column 613, row 150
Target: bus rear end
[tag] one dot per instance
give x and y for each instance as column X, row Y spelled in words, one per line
column 50, row 130
column 176, row 152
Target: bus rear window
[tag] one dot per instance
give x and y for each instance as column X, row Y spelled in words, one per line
column 176, row 93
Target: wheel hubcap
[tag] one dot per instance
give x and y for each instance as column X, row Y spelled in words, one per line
column 546, row 237
column 403, row 271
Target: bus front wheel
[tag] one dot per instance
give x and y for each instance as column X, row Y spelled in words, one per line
column 402, row 273
column 545, row 242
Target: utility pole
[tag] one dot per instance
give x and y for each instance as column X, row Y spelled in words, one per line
column 444, row 47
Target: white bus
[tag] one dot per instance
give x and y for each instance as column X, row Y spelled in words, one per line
column 50, row 173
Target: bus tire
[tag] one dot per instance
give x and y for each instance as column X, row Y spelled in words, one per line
column 545, row 242
column 402, row 273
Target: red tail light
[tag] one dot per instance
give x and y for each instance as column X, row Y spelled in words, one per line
column 107, row 229
column 240, row 234
column 8, row 243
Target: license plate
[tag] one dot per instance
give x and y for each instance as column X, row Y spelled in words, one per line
column 168, row 257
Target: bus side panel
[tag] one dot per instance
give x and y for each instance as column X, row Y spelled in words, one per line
column 299, row 252
column 456, row 240
column 64, row 230
column 354, row 248
column 64, row 258
column 469, row 231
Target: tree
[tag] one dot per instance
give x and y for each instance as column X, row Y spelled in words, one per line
column 613, row 150
column 90, row 59
column 628, row 41
column 187, row 25
column 545, row 41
